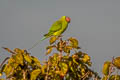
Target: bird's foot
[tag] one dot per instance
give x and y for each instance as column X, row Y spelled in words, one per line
column 60, row 37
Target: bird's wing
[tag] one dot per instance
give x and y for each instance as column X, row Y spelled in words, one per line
column 56, row 26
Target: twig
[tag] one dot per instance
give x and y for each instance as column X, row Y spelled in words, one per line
column 111, row 70
column 7, row 49
column 83, row 78
column 46, row 77
column 24, row 75
column 4, row 61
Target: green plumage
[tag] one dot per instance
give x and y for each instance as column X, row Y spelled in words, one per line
column 56, row 29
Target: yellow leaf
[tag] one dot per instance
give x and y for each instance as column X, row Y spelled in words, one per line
column 36, row 61
column 0, row 74
column 66, row 49
column 75, row 56
column 73, row 42
column 86, row 58
column 55, row 57
column 17, row 50
column 114, row 77
column 52, row 39
column 11, row 60
column 19, row 58
column 49, row 50
column 34, row 74
column 64, row 67
column 74, row 60
column 106, row 67
column 27, row 58
column 8, row 69
column 116, row 62
column 105, row 78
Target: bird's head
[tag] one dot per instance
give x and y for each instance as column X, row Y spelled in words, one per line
column 67, row 19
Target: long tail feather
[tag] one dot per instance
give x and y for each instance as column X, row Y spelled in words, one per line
column 37, row 43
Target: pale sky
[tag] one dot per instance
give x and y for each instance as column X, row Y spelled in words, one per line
column 95, row 23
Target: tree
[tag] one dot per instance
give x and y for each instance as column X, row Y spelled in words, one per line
column 67, row 63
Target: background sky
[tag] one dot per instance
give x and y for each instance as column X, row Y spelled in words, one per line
column 95, row 23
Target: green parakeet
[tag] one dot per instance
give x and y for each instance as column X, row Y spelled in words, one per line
column 56, row 29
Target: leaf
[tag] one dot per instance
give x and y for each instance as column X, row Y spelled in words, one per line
column 34, row 74
column 114, row 77
column 105, row 78
column 73, row 42
column 72, row 69
column 3, row 67
column 59, row 46
column 64, row 68
column 11, row 60
column 27, row 58
column 0, row 74
column 35, row 61
column 7, row 69
column 86, row 58
column 106, row 67
column 52, row 40
column 67, row 49
column 74, row 60
column 75, row 56
column 116, row 62
column 80, row 53
column 49, row 50
column 17, row 50
column 82, row 71
column 55, row 57
column 18, row 58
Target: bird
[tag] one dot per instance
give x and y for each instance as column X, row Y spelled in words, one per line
column 56, row 29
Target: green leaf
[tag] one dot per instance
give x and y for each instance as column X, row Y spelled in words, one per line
column 34, row 74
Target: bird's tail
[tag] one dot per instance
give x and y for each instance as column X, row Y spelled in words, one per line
column 37, row 43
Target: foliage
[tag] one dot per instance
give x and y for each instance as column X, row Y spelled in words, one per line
column 67, row 63
column 111, row 68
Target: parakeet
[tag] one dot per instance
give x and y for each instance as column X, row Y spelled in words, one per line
column 56, row 29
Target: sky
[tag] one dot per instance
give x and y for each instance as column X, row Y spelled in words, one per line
column 95, row 23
